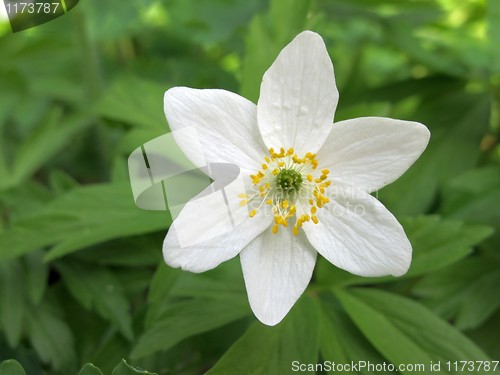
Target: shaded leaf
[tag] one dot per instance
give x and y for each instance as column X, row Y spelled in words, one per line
column 11, row 367
column 341, row 340
column 404, row 331
column 98, row 288
column 90, row 369
column 53, row 133
column 162, row 283
column 185, row 319
column 37, row 273
column 125, row 369
column 12, row 302
column 71, row 223
column 51, row 337
column 271, row 350
column 436, row 243
column 136, row 102
column 465, row 292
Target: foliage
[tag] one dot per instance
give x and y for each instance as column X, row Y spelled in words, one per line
column 82, row 282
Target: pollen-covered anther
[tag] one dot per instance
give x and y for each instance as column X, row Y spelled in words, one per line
column 286, row 182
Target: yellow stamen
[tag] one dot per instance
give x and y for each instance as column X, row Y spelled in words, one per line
column 283, row 199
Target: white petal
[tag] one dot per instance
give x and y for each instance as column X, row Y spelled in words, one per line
column 298, row 96
column 212, row 227
column 277, row 269
column 371, row 152
column 209, row 253
column 358, row 234
column 225, row 123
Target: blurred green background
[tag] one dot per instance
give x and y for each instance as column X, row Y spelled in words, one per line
column 81, row 274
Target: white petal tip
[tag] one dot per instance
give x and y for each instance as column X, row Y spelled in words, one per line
column 270, row 318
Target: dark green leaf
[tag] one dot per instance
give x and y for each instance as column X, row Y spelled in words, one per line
column 97, row 287
column 272, row 350
column 483, row 302
column 436, row 243
column 464, row 292
column 159, row 290
column 37, row 273
column 52, row 338
column 12, row 302
column 185, row 319
column 341, row 340
column 46, row 141
column 90, row 369
column 125, row 369
column 404, row 331
column 135, row 102
column 71, row 222
column 11, row 367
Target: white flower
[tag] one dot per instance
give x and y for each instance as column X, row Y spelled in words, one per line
column 309, row 180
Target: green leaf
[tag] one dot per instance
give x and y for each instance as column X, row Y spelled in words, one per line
column 271, row 350
column 12, row 303
column 266, row 37
column 483, row 301
column 464, row 292
column 493, row 17
column 94, row 286
column 53, row 133
column 404, row 331
column 123, row 252
column 472, row 195
column 436, row 244
column 457, row 123
column 125, row 369
column 90, row 369
column 11, row 367
column 218, row 19
column 37, row 273
column 80, row 218
column 51, row 337
column 487, row 336
column 137, row 102
column 401, row 35
column 161, row 285
column 188, row 318
column 341, row 340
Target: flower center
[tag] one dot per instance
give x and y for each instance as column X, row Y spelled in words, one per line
column 292, row 185
column 289, row 181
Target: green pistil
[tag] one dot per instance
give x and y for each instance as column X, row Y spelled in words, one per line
column 289, row 181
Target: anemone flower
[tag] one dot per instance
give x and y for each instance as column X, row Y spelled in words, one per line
column 308, row 180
